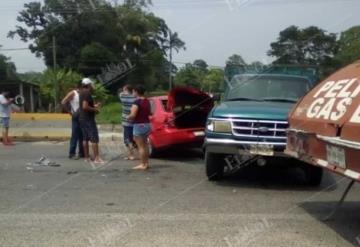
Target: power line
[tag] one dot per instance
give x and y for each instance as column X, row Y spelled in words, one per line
column 14, row 49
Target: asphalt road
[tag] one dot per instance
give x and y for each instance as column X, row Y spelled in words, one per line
column 172, row 204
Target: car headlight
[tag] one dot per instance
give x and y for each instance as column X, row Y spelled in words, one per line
column 220, row 126
column 210, row 125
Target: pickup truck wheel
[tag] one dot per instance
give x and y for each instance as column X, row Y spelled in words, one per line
column 214, row 166
column 313, row 174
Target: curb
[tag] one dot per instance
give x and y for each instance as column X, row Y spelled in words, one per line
column 53, row 137
column 41, row 116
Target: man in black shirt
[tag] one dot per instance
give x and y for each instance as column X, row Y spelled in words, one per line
column 88, row 110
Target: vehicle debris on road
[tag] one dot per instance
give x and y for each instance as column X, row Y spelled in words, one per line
column 44, row 161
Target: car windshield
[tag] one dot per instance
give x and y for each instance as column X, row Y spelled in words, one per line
column 267, row 88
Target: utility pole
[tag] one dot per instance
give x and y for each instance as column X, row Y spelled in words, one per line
column 54, row 51
column 56, row 86
column 170, row 58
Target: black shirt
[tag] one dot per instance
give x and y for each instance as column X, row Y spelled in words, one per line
column 85, row 95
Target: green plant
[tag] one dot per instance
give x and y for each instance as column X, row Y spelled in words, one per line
column 110, row 114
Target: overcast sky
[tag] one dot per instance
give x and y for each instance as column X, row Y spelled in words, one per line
column 215, row 29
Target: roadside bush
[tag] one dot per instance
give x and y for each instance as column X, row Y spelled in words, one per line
column 110, row 114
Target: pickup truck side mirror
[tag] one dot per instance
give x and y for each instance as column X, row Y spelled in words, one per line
column 216, row 96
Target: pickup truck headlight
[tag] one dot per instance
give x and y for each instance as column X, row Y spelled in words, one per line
column 220, row 126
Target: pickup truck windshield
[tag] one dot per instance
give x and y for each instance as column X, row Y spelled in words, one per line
column 267, row 88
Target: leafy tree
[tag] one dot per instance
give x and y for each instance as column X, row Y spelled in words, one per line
column 256, row 67
column 198, row 75
column 201, row 65
column 213, row 81
column 349, row 46
column 173, row 40
column 137, row 3
column 308, row 46
column 30, row 76
column 55, row 84
column 236, row 60
column 7, row 68
column 91, row 34
column 235, row 64
column 93, row 56
column 189, row 76
column 74, row 24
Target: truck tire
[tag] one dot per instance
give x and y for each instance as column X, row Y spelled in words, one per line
column 313, row 174
column 214, row 166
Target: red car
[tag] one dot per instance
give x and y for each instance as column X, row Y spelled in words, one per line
column 179, row 118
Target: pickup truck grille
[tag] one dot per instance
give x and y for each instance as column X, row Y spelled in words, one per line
column 260, row 128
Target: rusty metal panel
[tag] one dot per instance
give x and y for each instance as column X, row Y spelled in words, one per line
column 325, row 124
column 326, row 108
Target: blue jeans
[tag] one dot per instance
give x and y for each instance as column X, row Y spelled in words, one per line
column 76, row 137
column 128, row 135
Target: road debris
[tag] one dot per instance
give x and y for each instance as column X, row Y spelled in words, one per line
column 44, row 161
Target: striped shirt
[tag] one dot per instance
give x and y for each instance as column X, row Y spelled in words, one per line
column 127, row 101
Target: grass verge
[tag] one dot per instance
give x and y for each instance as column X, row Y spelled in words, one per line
column 110, row 114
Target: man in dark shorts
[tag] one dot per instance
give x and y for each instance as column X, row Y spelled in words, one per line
column 88, row 110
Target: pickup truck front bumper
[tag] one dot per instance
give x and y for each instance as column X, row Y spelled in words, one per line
column 230, row 146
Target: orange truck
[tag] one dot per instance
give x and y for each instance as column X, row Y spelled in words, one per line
column 324, row 126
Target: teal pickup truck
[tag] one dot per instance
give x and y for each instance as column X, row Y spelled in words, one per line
column 249, row 125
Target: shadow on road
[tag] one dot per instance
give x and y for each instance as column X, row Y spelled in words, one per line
column 276, row 176
column 346, row 223
column 180, row 154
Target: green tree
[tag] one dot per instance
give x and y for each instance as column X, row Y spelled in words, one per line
column 93, row 56
column 91, row 34
column 7, row 68
column 256, row 67
column 235, row 64
column 172, row 40
column 308, row 46
column 74, row 24
column 137, row 3
column 201, row 65
column 55, row 84
column 349, row 46
column 235, row 59
column 213, row 81
column 30, row 76
column 189, row 76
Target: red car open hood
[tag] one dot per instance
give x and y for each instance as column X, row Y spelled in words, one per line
column 190, row 106
column 188, row 96
column 332, row 108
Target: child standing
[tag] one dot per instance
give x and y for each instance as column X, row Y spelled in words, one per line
column 5, row 112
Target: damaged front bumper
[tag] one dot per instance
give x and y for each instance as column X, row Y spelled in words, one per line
column 235, row 147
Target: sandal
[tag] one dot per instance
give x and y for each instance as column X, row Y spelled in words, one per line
column 99, row 161
column 140, row 167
